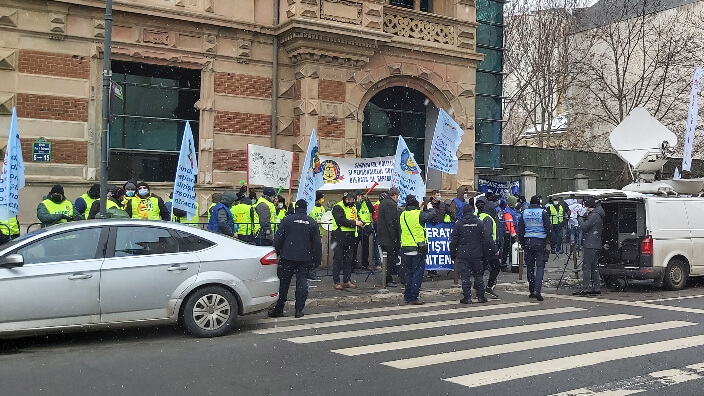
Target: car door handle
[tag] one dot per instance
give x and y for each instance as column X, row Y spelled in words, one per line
column 80, row 275
column 177, row 267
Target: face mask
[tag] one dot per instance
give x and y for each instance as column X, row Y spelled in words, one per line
column 129, row 193
column 554, row 202
column 280, row 205
column 322, row 200
column 466, row 196
column 349, row 204
column 437, row 198
column 56, row 197
column 143, row 192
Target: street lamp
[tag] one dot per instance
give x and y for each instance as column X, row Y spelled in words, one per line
column 107, row 79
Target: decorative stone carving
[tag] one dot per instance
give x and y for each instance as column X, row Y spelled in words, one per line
column 211, row 43
column 372, row 17
column 306, row 107
column 331, row 109
column 243, row 49
column 308, row 71
column 350, row 111
column 300, row 145
column 8, row 17
column 410, row 27
column 470, row 3
column 7, row 103
column 299, row 107
column 465, row 154
column 465, row 37
column 209, row 6
column 156, row 36
column 8, row 59
column 204, row 105
column 287, row 89
column 303, row 8
column 465, row 90
column 206, row 145
column 394, row 69
column 450, row 90
column 57, row 26
column 180, row 3
column 424, row 73
column 208, row 179
column 341, row 11
column 351, row 146
column 351, row 76
column 313, row 107
column 303, row 45
column 285, row 126
column 367, row 81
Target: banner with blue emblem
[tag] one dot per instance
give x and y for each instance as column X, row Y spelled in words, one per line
column 184, row 185
column 406, row 176
column 311, row 175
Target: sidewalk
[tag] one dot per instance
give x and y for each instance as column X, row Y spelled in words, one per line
column 322, row 293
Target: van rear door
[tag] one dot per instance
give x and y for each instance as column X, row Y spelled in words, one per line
column 669, row 227
column 695, row 214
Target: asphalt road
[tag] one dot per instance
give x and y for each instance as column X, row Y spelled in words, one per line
column 644, row 342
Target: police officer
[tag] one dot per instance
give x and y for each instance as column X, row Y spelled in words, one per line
column 365, row 210
column 85, row 201
column 534, row 228
column 265, row 217
column 469, row 242
column 243, row 218
column 297, row 242
column 414, row 246
column 221, row 219
column 56, row 209
column 492, row 259
column 144, row 205
column 344, row 234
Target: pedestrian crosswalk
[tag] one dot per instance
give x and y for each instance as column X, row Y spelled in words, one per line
column 525, row 340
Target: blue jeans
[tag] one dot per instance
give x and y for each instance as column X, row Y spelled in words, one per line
column 285, row 272
column 535, row 256
column 415, row 264
column 557, row 237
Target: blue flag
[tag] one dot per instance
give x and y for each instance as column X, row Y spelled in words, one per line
column 12, row 173
column 406, row 176
column 184, row 185
column 446, row 141
column 311, row 175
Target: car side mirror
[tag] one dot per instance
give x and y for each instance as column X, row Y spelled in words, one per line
column 12, row 261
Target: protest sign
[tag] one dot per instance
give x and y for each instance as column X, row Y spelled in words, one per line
column 269, row 167
column 356, row 173
column 438, row 257
column 501, row 188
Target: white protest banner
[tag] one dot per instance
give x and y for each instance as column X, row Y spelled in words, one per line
column 269, row 167
column 311, row 175
column 12, row 173
column 184, row 186
column 446, row 141
column 691, row 120
column 356, row 173
column 406, row 175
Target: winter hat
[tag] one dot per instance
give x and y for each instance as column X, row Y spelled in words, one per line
column 590, row 203
column 535, row 200
column 301, row 204
column 411, row 200
column 481, row 199
column 228, row 198
column 129, row 186
column 143, row 184
column 57, row 189
column 269, row 191
column 394, row 191
column 319, row 195
column 94, row 191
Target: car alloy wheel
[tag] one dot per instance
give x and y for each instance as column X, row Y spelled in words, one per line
column 209, row 312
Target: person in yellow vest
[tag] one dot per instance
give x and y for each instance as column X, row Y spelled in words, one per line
column 317, row 214
column 265, row 217
column 243, row 216
column 365, row 210
column 492, row 260
column 344, row 234
column 414, row 246
column 56, row 209
column 9, row 230
column 146, row 206
column 130, row 190
column 85, row 201
column 558, row 214
column 113, row 208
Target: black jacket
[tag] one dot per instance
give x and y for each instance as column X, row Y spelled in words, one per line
column 469, row 239
column 388, row 225
column 442, row 208
column 592, row 225
column 297, row 238
column 346, row 238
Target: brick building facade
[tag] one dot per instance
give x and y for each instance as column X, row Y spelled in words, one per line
column 211, row 62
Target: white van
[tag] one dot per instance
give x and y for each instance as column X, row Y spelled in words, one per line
column 650, row 237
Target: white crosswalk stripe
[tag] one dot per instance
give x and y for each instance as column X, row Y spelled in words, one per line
column 531, row 330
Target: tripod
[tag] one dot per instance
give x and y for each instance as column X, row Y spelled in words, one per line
column 572, row 255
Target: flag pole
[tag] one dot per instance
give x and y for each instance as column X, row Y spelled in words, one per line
column 107, row 78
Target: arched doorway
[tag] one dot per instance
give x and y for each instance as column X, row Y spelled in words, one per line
column 400, row 111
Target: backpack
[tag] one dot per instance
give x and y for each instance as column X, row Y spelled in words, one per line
column 460, row 207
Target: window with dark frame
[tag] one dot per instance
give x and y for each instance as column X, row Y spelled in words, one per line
column 149, row 120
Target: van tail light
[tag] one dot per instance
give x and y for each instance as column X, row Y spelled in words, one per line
column 270, row 259
column 646, row 246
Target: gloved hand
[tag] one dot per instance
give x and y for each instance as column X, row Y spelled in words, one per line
column 67, row 217
column 268, row 235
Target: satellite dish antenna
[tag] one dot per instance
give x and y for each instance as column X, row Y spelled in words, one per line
column 643, row 142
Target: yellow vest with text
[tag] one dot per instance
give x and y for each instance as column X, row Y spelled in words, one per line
column 350, row 214
column 146, row 209
column 89, row 203
column 364, row 214
column 556, row 216
column 242, row 218
column 10, row 227
column 412, row 231
column 65, row 207
column 317, row 215
column 184, row 220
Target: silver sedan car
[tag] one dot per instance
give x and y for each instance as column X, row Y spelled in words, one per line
column 115, row 272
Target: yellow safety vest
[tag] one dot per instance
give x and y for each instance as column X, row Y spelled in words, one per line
column 146, row 209
column 210, row 210
column 556, row 215
column 65, row 207
column 184, row 220
column 412, row 231
column 317, row 215
column 483, row 216
column 272, row 214
column 10, row 227
column 89, row 203
column 243, row 219
column 364, row 214
column 350, row 214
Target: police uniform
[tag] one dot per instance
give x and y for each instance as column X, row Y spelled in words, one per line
column 534, row 228
column 469, row 242
column 492, row 262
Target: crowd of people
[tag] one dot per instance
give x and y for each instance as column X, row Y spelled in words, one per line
column 484, row 230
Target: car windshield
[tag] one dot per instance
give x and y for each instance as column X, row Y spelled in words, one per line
column 23, row 237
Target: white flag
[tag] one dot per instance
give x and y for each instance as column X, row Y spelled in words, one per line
column 311, row 175
column 406, row 176
column 12, row 173
column 691, row 120
column 446, row 141
column 184, row 185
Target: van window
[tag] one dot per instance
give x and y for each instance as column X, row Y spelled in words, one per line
column 669, row 215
